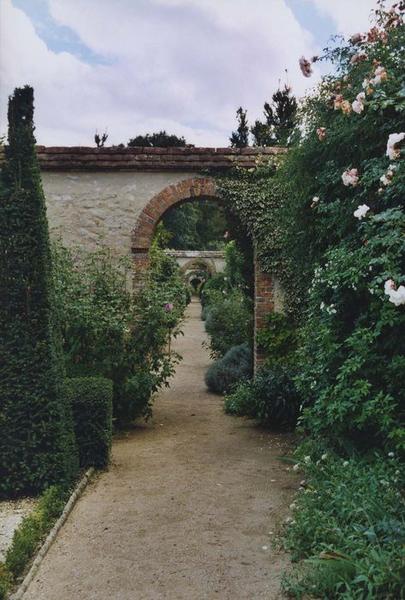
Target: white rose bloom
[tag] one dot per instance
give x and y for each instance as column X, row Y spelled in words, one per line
column 397, row 297
column 389, row 285
column 361, row 211
column 393, row 140
column 384, row 180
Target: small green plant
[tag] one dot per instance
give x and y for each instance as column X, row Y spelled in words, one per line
column 228, row 321
column 348, row 527
column 278, row 338
column 137, row 396
column 5, row 581
column 30, row 534
column 240, row 401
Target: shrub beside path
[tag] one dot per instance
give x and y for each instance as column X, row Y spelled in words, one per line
column 186, row 508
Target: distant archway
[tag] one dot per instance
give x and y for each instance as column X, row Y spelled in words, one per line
column 196, row 188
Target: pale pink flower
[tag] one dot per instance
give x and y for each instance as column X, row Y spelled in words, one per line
column 357, row 38
column 321, row 133
column 380, row 75
column 357, row 58
column 337, row 101
column 392, row 145
column 350, row 177
column 386, row 179
column 389, row 285
column 358, row 104
column 346, row 107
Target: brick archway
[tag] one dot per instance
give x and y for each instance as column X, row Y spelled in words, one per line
column 199, row 262
column 195, row 188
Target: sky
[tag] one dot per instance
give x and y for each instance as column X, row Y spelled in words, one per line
column 130, row 67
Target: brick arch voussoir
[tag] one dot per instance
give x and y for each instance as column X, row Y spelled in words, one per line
column 196, row 262
column 171, row 195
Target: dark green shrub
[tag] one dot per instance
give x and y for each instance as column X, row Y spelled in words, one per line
column 91, row 401
column 228, row 322
column 271, row 398
column 136, row 398
column 276, row 398
column 227, row 371
column 204, row 312
column 36, row 440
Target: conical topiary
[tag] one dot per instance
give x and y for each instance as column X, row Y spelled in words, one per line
column 37, row 446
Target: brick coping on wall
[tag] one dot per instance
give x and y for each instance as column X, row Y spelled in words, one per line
column 80, row 158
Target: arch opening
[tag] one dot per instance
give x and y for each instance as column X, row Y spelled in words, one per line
column 142, row 236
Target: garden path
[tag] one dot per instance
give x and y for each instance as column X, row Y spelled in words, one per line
column 187, row 510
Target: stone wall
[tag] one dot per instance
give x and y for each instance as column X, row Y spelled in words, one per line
column 84, row 207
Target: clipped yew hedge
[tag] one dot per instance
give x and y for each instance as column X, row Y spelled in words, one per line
column 37, row 446
column 91, row 399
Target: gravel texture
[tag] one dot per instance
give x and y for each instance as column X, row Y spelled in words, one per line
column 188, row 509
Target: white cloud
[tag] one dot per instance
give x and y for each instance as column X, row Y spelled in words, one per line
column 350, row 16
column 180, row 65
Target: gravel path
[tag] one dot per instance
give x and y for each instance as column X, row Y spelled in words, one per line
column 187, row 510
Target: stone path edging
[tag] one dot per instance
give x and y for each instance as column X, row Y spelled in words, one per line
column 77, row 492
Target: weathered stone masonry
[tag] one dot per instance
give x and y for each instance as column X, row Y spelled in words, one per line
column 120, row 194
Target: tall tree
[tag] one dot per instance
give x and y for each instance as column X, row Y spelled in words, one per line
column 240, row 137
column 160, row 139
column 36, row 434
column 280, row 118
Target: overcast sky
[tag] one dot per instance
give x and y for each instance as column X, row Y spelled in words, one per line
column 137, row 66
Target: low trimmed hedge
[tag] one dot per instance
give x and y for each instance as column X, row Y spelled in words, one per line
column 29, row 536
column 91, row 400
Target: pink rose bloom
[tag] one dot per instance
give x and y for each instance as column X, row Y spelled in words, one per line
column 357, row 58
column 169, row 307
column 350, row 177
